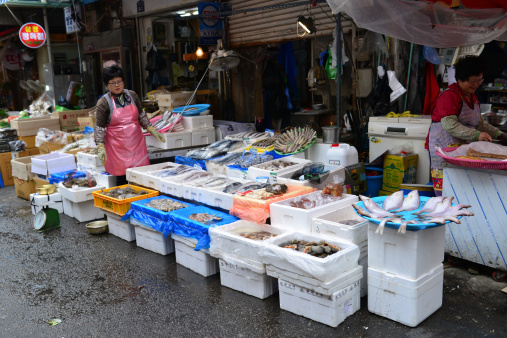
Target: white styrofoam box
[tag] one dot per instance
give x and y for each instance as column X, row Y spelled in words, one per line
column 171, row 187
column 203, row 136
column 408, row 255
column 330, row 310
column 219, row 199
column 255, row 170
column 146, row 175
column 150, row 239
column 331, row 224
column 198, row 261
column 240, row 278
column 123, row 229
column 363, row 262
column 51, row 163
column 86, row 211
column 105, row 180
column 335, row 171
column 68, row 207
column 227, row 239
column 173, row 140
column 404, row 300
column 237, row 173
column 90, row 168
column 78, row 195
column 323, row 269
column 88, row 159
column 53, row 201
column 297, row 219
column 197, row 122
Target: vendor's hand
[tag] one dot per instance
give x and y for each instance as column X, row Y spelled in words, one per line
column 485, row 137
column 156, row 134
column 503, row 139
column 101, row 153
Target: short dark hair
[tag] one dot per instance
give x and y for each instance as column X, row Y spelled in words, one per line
column 110, row 73
column 469, row 66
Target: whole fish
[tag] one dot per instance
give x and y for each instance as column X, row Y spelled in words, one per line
column 454, row 210
column 374, row 208
column 411, row 202
column 430, row 204
column 442, row 220
column 363, row 212
column 231, row 188
column 394, row 201
column 442, row 206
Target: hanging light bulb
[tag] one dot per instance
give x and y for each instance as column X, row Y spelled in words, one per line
column 199, row 52
column 307, row 24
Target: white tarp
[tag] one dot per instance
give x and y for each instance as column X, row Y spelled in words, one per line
column 426, row 23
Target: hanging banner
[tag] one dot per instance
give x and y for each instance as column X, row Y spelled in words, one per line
column 32, row 35
column 210, row 24
column 13, row 60
column 72, row 16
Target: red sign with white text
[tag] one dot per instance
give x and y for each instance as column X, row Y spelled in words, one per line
column 32, row 35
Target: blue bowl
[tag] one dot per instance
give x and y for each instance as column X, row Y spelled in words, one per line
column 196, row 109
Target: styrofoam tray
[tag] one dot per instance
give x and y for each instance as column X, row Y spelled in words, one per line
column 88, row 159
column 136, row 175
column 80, row 194
column 330, row 224
column 297, row 219
column 203, row 136
column 255, row 170
column 197, row 122
column 174, row 140
column 334, row 171
column 323, row 269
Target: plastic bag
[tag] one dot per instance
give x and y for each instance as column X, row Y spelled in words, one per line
column 17, row 146
column 402, row 149
column 331, row 72
column 80, row 144
column 45, row 135
column 431, row 55
column 379, row 98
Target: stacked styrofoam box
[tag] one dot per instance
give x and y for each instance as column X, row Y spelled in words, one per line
column 89, row 163
column 331, row 225
column 409, row 268
column 150, row 239
column 53, row 201
column 256, row 171
column 241, row 268
column 173, row 140
column 142, row 176
column 78, row 203
column 322, row 289
column 217, row 198
column 298, row 219
column 334, row 170
column 197, row 122
column 105, row 180
column 172, row 185
column 198, row 261
column 203, row 136
column 123, row 229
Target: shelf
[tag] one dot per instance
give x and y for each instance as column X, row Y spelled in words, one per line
column 492, row 102
column 493, row 89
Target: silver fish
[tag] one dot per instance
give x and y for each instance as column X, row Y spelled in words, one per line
column 430, row 204
column 394, row 201
column 374, row 208
column 411, row 202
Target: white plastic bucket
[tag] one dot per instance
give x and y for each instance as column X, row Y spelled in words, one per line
column 342, row 154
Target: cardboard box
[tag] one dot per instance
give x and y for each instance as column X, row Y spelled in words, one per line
column 34, row 151
column 29, row 140
column 46, row 147
column 398, row 170
column 69, row 118
column 19, row 154
column 90, row 121
column 355, row 179
column 175, row 99
column 53, row 163
column 22, row 168
column 70, row 129
column 6, row 168
column 30, row 127
column 24, row 188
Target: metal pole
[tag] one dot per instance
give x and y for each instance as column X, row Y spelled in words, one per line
column 48, row 46
column 79, row 56
column 339, row 73
column 408, row 77
column 139, row 55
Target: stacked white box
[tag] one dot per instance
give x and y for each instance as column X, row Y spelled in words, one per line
column 408, row 255
column 105, row 180
column 203, row 136
column 197, row 122
column 198, row 261
column 68, row 207
column 142, row 175
column 171, row 187
column 123, row 229
column 90, row 168
column 173, row 140
column 404, row 300
column 79, row 194
column 88, row 159
column 150, row 239
column 78, row 203
column 53, row 201
column 330, row 224
column 256, row 171
column 327, row 309
column 334, row 170
column 297, row 219
column 240, row 276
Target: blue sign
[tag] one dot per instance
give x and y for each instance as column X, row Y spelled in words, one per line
column 210, row 24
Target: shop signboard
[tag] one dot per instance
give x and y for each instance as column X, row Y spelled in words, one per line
column 32, row 35
column 12, row 59
column 210, row 24
column 72, row 16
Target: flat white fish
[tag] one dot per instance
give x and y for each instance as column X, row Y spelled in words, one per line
column 430, row 204
column 393, row 201
column 442, row 206
column 442, row 220
column 374, row 208
column 411, row 202
column 454, row 210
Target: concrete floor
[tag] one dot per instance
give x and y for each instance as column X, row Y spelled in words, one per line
column 102, row 286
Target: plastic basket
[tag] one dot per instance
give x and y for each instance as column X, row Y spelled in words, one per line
column 119, row 207
column 197, row 109
column 499, row 165
column 297, row 152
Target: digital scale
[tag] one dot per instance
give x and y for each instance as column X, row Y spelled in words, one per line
column 46, row 219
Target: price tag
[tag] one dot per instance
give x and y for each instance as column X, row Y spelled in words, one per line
column 197, row 166
column 273, row 178
column 243, row 175
column 246, row 140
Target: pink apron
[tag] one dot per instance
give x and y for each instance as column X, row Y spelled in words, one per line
column 125, row 145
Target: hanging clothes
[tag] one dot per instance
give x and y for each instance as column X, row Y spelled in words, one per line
column 432, row 90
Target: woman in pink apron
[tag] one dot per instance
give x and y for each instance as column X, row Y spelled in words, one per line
column 118, row 134
column 456, row 118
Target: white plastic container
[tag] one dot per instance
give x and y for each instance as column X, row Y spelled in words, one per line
column 174, row 140
column 68, row 207
column 123, row 229
column 198, row 261
column 330, row 225
column 88, row 159
column 219, row 199
column 405, row 300
column 150, row 239
column 297, row 219
column 86, row 211
column 330, row 310
column 53, row 201
column 78, row 195
column 409, row 255
column 170, row 187
column 363, row 262
column 342, row 154
column 203, row 136
column 144, row 175
column 334, row 170
column 105, row 180
column 255, row 170
column 90, row 168
column 197, row 122
column 237, row 276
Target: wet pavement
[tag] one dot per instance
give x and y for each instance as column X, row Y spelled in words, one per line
column 103, row 286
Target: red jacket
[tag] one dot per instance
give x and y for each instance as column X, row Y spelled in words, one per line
column 450, row 103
